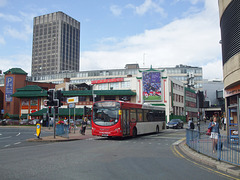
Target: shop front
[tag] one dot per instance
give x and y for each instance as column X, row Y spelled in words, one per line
column 232, row 96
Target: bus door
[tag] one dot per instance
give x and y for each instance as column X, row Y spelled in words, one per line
column 125, row 122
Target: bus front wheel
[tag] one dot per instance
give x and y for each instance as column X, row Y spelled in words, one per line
column 134, row 132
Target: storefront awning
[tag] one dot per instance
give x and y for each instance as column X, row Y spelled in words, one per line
column 62, row 112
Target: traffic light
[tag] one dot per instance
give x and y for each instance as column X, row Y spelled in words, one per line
column 50, row 110
column 50, row 97
column 59, row 96
column 85, row 110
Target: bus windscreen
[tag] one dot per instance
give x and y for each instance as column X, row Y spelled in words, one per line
column 107, row 115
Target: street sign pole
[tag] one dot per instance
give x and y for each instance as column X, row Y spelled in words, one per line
column 74, row 119
column 54, row 123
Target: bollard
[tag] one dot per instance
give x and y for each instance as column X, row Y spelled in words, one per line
column 38, row 130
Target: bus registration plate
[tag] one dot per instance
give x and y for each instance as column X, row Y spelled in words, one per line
column 104, row 135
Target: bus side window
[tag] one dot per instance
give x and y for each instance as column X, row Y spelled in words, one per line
column 133, row 115
column 140, row 115
column 145, row 113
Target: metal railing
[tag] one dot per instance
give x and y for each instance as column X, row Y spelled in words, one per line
column 225, row 150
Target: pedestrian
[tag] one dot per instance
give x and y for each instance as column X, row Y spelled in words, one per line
column 224, row 122
column 214, row 132
column 84, row 125
column 191, row 124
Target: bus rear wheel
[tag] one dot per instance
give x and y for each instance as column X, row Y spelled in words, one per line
column 157, row 129
column 134, row 132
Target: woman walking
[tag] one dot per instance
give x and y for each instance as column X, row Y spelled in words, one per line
column 214, row 132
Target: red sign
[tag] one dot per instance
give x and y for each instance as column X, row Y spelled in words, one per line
column 107, row 81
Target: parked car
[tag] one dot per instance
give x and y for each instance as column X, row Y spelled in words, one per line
column 175, row 124
column 2, row 122
column 79, row 121
column 24, row 122
column 33, row 122
column 6, row 122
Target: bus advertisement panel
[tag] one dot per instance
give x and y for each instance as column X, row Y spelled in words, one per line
column 117, row 118
column 151, row 86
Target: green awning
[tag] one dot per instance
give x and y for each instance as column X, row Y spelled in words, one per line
column 62, row 112
column 24, row 116
column 30, row 91
column 11, row 116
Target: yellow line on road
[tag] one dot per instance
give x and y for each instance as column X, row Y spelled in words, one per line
column 175, row 151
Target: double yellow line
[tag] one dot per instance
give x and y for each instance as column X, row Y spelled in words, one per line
column 178, row 154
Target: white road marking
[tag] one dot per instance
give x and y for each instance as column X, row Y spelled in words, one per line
column 7, row 145
column 0, row 134
column 17, row 143
column 6, row 137
column 18, row 134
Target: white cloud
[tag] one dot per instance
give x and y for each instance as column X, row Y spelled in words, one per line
column 116, row 10
column 213, row 70
column 22, row 61
column 146, row 7
column 22, row 35
column 9, row 17
column 192, row 40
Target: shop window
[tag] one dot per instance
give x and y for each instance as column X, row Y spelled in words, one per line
column 109, row 98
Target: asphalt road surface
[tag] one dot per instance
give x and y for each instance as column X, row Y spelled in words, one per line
column 12, row 137
column 145, row 157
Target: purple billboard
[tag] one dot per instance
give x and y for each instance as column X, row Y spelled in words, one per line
column 151, row 86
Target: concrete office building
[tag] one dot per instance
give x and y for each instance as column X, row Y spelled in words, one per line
column 230, row 37
column 56, row 44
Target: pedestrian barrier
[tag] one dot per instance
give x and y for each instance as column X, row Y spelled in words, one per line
column 225, row 150
column 62, row 130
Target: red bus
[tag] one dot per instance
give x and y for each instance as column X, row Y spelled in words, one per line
column 117, row 118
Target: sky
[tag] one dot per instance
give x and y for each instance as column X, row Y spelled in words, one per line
column 113, row 33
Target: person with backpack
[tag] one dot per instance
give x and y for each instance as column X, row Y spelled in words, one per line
column 191, row 124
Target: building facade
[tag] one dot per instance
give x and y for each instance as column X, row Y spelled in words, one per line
column 213, row 98
column 230, row 38
column 56, row 44
column 190, row 76
column 191, row 109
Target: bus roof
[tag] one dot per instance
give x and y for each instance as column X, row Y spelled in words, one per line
column 151, row 107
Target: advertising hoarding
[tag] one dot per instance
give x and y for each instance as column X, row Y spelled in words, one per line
column 151, row 86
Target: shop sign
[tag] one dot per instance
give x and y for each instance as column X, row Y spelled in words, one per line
column 72, row 100
column 9, row 89
column 107, row 81
column 232, row 91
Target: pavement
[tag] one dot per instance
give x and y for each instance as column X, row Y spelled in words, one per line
column 71, row 136
column 204, row 159
column 219, row 165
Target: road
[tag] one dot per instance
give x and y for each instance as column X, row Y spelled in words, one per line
column 11, row 137
column 145, row 157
